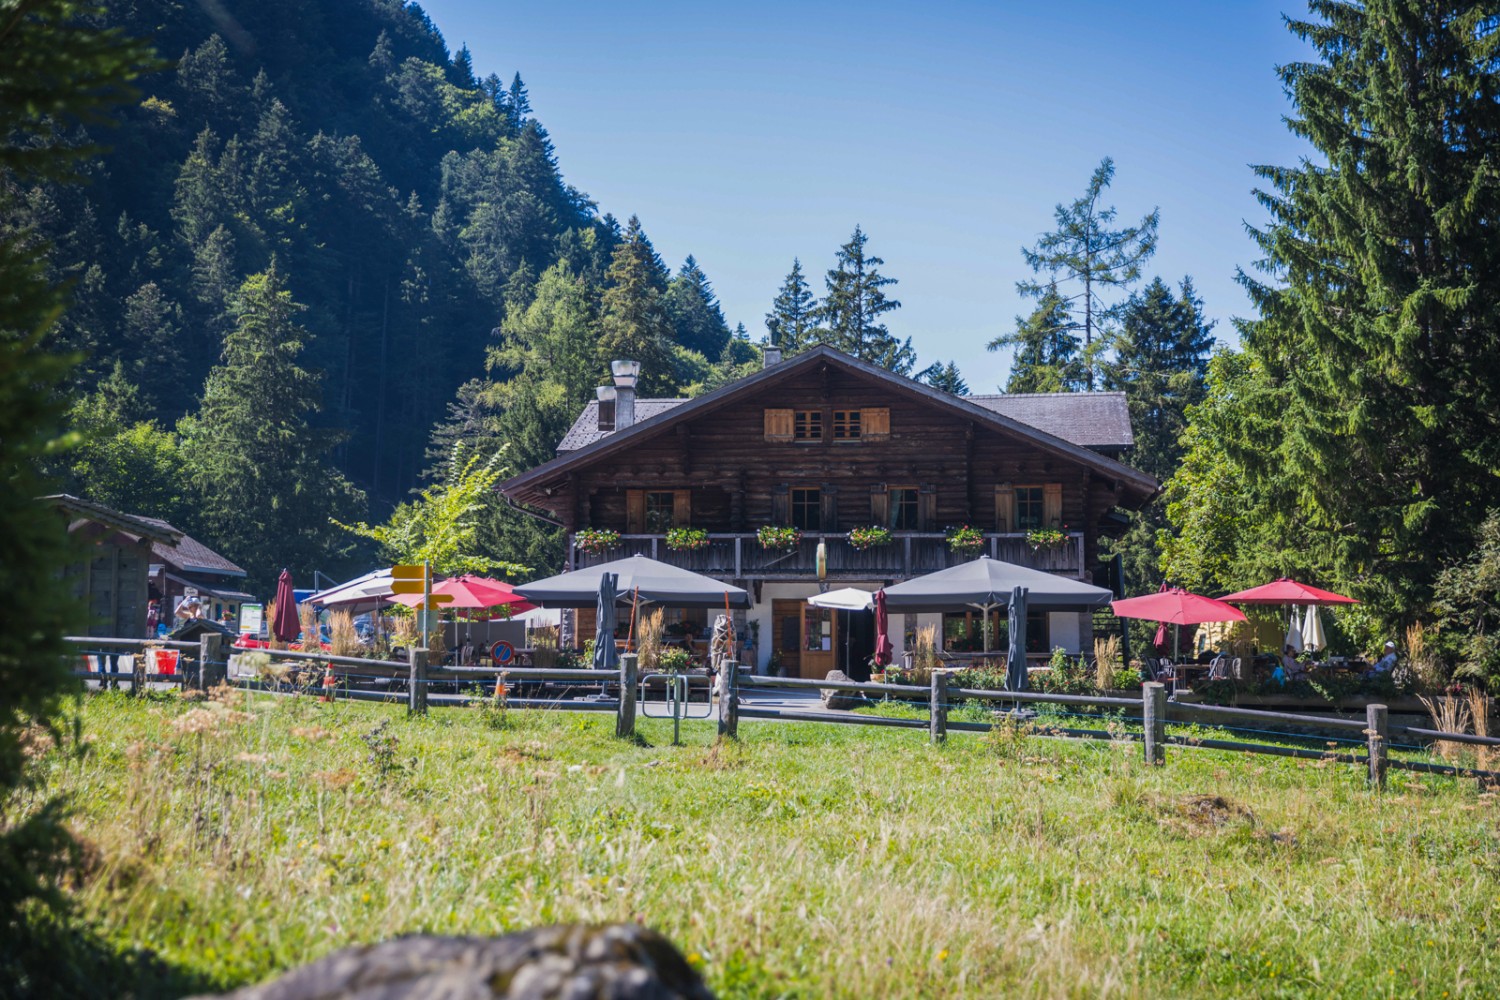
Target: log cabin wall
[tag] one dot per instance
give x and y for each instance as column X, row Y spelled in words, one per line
column 738, row 479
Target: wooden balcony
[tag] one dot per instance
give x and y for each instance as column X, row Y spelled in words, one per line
column 741, row 557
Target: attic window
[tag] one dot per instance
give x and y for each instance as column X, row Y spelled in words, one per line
column 807, row 425
column 846, row 425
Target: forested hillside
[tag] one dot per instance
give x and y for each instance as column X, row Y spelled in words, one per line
column 324, row 181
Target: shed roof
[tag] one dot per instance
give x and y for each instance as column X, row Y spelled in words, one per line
column 130, row 524
column 188, row 555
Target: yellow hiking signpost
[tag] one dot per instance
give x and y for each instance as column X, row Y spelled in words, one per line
column 417, row 579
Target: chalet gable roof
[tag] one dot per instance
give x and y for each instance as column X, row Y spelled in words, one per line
column 993, row 416
column 188, row 555
column 87, row 510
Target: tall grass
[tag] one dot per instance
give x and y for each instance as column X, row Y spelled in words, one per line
column 343, row 640
column 1450, row 714
column 648, row 638
column 246, row 835
column 1107, row 665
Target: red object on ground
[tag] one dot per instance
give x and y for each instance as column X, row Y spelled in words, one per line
column 1177, row 607
column 285, row 625
column 883, row 647
column 1286, row 591
column 472, row 592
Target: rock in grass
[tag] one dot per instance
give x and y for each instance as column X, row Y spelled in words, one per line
column 834, row 698
column 618, row 961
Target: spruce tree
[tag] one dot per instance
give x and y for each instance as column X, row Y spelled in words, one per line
column 792, row 323
column 634, row 324
column 1377, row 324
column 1046, row 349
column 1090, row 256
column 261, row 469
column 850, row 313
column 518, row 102
column 697, row 320
column 945, row 377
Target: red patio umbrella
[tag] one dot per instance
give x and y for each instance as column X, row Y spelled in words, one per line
column 1177, row 607
column 473, row 592
column 1285, row 591
column 882, row 632
column 284, row 626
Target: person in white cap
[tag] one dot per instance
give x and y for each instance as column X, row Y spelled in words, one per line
column 1386, row 663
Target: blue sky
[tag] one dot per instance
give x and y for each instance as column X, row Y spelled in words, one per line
column 752, row 133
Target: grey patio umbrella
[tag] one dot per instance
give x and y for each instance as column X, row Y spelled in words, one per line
column 986, row 583
column 605, row 656
column 1015, row 659
column 656, row 583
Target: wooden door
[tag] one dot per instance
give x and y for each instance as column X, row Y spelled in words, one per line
column 786, row 632
column 820, row 641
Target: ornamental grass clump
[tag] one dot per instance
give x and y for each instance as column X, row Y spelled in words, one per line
column 343, row 640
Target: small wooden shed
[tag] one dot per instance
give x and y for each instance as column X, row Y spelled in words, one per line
column 111, row 575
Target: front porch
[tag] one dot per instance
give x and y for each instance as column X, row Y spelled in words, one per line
column 740, row 556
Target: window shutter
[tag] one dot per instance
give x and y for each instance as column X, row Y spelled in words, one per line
column 830, row 512
column 778, row 425
column 682, row 509
column 635, row 512
column 927, row 508
column 1005, row 508
column 875, row 423
column 880, row 505
column 1052, row 505
column 781, row 512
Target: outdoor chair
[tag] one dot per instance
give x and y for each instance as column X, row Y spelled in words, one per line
column 1218, row 668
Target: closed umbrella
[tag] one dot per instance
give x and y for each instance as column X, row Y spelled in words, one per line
column 1015, row 663
column 605, row 657
column 1293, row 634
column 882, row 633
column 284, row 626
column 1312, row 630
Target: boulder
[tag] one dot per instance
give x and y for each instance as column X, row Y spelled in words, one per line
column 618, row 961
column 837, row 699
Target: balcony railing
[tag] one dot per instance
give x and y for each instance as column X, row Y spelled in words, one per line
column 741, row 556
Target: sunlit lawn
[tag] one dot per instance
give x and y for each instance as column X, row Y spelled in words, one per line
column 244, row 838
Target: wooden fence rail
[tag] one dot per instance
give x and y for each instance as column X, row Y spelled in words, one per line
column 1153, row 709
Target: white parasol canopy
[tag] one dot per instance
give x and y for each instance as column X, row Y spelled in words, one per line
column 845, row 599
column 1312, row 630
column 1294, row 635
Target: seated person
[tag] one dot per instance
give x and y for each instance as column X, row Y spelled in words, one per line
column 1289, row 663
column 1386, row 663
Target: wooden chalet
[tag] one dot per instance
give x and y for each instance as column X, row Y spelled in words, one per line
column 828, row 443
column 110, row 577
column 188, row 568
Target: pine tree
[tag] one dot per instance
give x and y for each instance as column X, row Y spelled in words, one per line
column 518, row 102
column 1377, row 327
column 850, row 314
column 634, row 325
column 268, row 493
column 792, row 323
column 945, row 377
column 697, row 321
column 1047, row 350
column 1085, row 250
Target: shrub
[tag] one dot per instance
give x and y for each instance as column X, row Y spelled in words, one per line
column 1068, row 675
column 673, row 659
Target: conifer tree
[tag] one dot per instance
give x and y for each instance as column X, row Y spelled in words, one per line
column 1089, row 256
column 851, row 312
column 792, row 323
column 1047, row 350
column 634, row 325
column 268, row 492
column 518, row 102
column 945, row 377
column 697, row 321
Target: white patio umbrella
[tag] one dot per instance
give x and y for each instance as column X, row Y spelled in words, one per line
column 1312, row 630
column 845, row 599
column 1294, row 634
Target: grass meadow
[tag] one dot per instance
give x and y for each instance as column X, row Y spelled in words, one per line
column 239, row 836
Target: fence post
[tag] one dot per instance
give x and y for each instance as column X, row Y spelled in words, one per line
column 625, row 717
column 209, row 651
column 1375, row 731
column 729, row 700
column 939, row 707
column 138, row 671
column 416, row 695
column 1154, row 715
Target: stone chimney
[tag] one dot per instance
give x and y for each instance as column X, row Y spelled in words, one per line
column 770, row 355
column 607, row 405
column 625, row 374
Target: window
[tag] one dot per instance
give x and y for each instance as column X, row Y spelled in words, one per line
column 807, row 425
column 905, row 514
column 659, row 505
column 807, row 509
column 846, row 425
column 1030, row 508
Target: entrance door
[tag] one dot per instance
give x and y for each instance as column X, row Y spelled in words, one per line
column 820, row 639
column 786, row 630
